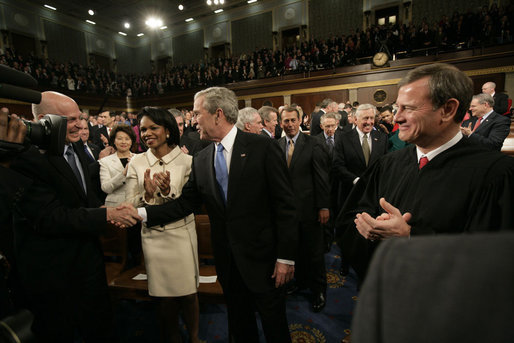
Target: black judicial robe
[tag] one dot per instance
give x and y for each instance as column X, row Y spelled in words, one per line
column 464, row 189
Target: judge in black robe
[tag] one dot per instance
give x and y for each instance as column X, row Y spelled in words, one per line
column 463, row 189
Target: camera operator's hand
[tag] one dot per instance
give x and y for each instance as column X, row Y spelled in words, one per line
column 12, row 130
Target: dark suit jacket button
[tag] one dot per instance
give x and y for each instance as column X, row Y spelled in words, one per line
column 173, row 195
column 161, row 163
column 162, row 225
column 159, row 194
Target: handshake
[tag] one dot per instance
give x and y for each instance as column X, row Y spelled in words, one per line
column 123, row 216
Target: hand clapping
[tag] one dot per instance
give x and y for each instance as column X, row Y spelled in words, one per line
column 159, row 180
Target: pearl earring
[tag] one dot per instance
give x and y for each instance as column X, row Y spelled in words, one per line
column 167, row 136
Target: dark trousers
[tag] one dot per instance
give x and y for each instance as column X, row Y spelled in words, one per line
column 241, row 306
column 83, row 309
column 310, row 265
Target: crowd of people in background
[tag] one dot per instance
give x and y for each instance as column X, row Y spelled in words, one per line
column 490, row 25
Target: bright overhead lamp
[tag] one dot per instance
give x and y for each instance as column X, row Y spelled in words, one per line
column 51, row 7
column 153, row 22
column 180, row 7
column 251, row 1
column 209, row 2
column 122, row 33
column 127, row 25
column 219, row 10
column 216, row 2
column 222, row 2
column 90, row 22
column 163, row 27
column 91, row 12
column 140, row 34
column 189, row 19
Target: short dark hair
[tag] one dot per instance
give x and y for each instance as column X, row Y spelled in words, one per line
column 122, row 128
column 291, row 109
column 164, row 118
column 385, row 109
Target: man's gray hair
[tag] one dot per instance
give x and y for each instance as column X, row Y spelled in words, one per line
column 265, row 112
column 484, row 98
column 220, row 97
column 326, row 102
column 365, row 107
column 246, row 115
column 176, row 113
column 329, row 115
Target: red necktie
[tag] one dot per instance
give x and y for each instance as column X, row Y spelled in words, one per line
column 477, row 124
column 423, row 162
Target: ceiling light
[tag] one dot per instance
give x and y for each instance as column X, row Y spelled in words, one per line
column 216, row 2
column 154, row 22
column 127, row 25
column 219, row 10
column 140, row 34
column 180, row 7
column 189, row 19
column 209, row 2
column 163, row 27
column 91, row 22
column 122, row 33
column 222, row 2
column 91, row 12
column 251, row 1
column 51, row 7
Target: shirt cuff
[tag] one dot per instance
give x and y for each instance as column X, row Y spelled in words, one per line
column 356, row 179
column 289, row 262
column 142, row 213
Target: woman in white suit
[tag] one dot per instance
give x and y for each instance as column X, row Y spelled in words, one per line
column 171, row 254
column 113, row 168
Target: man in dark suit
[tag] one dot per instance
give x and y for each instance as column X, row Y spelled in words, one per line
column 356, row 150
column 101, row 136
column 91, row 150
column 444, row 284
column 243, row 181
column 269, row 117
column 56, row 228
column 188, row 144
column 486, row 127
column 329, row 137
column 308, row 164
column 501, row 100
column 327, row 105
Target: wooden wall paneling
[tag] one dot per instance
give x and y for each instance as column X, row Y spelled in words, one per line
column 479, row 80
column 309, row 101
column 386, row 94
column 241, row 104
column 275, row 100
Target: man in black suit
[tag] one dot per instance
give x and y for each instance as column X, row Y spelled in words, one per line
column 188, row 144
column 329, row 137
column 91, row 150
column 357, row 149
column 501, row 100
column 56, row 228
column 327, row 105
column 269, row 117
column 308, row 164
column 101, row 137
column 243, row 181
column 486, row 127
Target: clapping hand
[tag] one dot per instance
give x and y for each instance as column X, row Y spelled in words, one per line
column 390, row 224
column 162, row 180
column 150, row 185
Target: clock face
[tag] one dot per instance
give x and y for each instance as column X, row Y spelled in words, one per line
column 380, row 59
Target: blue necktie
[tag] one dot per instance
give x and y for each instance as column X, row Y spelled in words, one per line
column 221, row 172
column 73, row 164
column 89, row 156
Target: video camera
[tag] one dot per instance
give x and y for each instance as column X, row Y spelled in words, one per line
column 49, row 133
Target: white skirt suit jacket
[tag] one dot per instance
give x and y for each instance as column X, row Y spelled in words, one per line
column 171, row 250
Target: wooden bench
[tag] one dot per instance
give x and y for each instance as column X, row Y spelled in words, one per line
column 120, row 278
